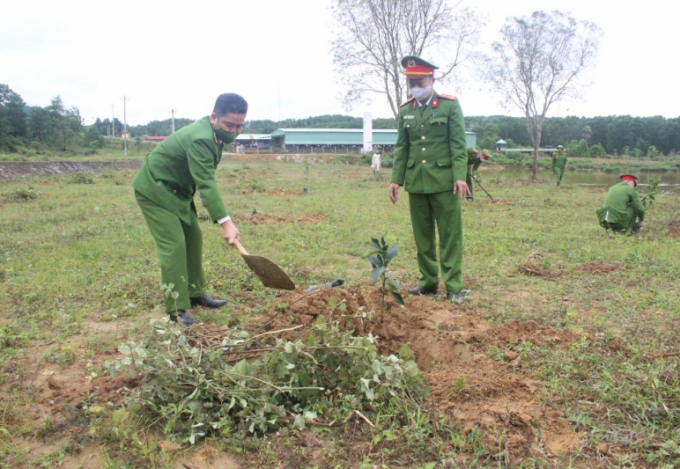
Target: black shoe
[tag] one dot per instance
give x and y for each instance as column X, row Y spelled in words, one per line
column 635, row 230
column 208, row 302
column 457, row 298
column 186, row 318
column 469, row 198
column 422, row 290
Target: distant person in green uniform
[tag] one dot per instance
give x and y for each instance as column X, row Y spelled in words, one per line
column 182, row 165
column 622, row 207
column 475, row 159
column 430, row 161
column 559, row 162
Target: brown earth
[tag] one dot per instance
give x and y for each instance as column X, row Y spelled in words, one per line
column 474, row 370
column 450, row 346
column 266, row 219
column 276, row 191
column 601, row 267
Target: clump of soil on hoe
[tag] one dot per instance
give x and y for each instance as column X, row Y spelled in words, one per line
column 495, row 396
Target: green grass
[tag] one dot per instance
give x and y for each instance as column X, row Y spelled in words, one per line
column 76, row 256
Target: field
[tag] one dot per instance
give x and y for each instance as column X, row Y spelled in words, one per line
column 564, row 353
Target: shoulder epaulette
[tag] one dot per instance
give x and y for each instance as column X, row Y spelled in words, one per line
column 447, row 96
column 406, row 102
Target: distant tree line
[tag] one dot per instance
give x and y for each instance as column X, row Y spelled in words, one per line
column 613, row 135
column 57, row 128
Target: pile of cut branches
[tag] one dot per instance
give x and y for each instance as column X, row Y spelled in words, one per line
column 201, row 381
column 536, row 264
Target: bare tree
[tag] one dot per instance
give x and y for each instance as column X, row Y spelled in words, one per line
column 538, row 62
column 373, row 35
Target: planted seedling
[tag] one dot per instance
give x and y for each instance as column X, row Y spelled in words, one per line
column 380, row 260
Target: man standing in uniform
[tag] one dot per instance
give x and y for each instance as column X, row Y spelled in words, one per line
column 172, row 173
column 475, row 159
column 622, row 207
column 430, row 161
column 559, row 162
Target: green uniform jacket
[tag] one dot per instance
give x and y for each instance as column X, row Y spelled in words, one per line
column 621, row 207
column 183, row 163
column 430, row 153
column 559, row 161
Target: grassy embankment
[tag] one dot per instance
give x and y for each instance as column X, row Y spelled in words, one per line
column 78, row 276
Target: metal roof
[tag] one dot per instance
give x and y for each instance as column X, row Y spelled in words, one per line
column 339, row 136
column 253, row 137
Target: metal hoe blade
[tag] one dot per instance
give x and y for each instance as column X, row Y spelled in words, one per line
column 270, row 274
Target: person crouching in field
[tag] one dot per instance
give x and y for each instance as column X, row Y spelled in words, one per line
column 622, row 207
column 475, row 159
column 183, row 164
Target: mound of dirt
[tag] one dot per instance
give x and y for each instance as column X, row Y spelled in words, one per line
column 266, row 219
column 450, row 347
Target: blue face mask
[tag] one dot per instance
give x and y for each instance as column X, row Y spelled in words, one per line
column 421, row 94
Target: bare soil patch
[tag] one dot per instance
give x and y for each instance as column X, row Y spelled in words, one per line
column 531, row 266
column 266, row 219
column 601, row 267
column 276, row 191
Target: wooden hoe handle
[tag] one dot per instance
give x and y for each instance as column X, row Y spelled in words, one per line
column 240, row 248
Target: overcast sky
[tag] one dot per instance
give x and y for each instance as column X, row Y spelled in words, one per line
column 181, row 55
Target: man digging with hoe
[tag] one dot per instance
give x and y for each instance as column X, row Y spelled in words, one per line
column 172, row 173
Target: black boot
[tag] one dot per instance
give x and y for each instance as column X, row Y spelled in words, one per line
column 184, row 319
column 635, row 230
column 423, row 290
column 457, row 298
column 208, row 302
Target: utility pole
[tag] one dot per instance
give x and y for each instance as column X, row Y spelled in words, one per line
column 173, row 121
column 113, row 122
column 125, row 124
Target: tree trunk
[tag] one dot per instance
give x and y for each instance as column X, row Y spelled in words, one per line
column 534, row 168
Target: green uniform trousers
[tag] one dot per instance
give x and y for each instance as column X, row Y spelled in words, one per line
column 442, row 208
column 624, row 225
column 559, row 172
column 179, row 249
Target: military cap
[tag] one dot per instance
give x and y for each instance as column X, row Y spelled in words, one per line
column 485, row 154
column 560, row 147
column 417, row 67
column 629, row 177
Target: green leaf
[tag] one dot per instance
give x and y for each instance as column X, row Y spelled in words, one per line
column 404, row 351
column 393, row 282
column 377, row 272
column 391, row 253
column 320, row 323
column 375, row 260
column 375, row 243
column 299, row 423
column 388, row 435
column 398, row 298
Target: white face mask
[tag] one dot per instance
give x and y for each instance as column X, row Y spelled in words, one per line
column 421, row 94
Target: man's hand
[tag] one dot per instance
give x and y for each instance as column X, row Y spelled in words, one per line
column 462, row 188
column 394, row 192
column 230, row 233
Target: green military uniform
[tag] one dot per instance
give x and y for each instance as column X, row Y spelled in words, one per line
column 473, row 164
column 164, row 187
column 559, row 162
column 621, row 208
column 430, row 154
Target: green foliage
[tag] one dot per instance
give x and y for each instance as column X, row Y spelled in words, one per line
column 195, row 390
column 380, row 259
column 24, row 195
column 81, row 178
column 650, row 192
column 597, row 151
